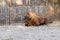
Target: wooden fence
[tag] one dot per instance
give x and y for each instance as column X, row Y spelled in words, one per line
column 16, row 14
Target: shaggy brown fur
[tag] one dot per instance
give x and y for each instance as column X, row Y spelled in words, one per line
column 32, row 19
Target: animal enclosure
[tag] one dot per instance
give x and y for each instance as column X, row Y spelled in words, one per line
column 13, row 11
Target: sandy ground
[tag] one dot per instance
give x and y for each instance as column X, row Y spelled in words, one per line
column 19, row 32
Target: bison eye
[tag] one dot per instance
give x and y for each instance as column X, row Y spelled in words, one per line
column 29, row 18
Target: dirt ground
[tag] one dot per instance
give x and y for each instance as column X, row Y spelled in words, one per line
column 20, row 32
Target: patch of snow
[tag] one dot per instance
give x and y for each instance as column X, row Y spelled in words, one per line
column 18, row 32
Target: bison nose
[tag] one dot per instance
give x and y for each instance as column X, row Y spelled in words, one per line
column 26, row 21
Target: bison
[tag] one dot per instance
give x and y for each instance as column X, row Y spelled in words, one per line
column 32, row 19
